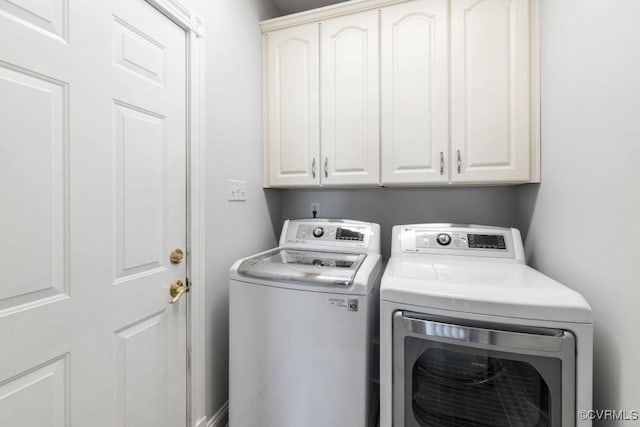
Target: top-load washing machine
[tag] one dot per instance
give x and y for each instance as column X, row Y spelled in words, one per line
column 470, row 335
column 301, row 320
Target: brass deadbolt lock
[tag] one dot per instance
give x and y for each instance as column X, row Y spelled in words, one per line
column 177, row 256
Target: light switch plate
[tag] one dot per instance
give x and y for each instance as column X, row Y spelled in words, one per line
column 237, row 190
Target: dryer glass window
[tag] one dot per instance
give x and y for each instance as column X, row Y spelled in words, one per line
column 453, row 372
column 451, row 387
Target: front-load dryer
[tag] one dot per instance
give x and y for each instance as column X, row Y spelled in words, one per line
column 470, row 335
column 302, row 317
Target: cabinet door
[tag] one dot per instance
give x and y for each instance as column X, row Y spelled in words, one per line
column 490, row 104
column 293, row 106
column 349, row 98
column 415, row 92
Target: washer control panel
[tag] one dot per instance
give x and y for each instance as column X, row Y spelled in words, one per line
column 444, row 239
column 347, row 233
column 339, row 235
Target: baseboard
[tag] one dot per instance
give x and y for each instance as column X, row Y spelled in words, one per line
column 221, row 417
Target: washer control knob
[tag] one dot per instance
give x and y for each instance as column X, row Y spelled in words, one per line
column 443, row 239
column 318, row 232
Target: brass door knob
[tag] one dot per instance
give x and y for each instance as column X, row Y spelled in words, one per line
column 176, row 290
column 176, row 256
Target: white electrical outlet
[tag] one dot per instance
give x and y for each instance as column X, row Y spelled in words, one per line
column 237, row 190
column 315, row 208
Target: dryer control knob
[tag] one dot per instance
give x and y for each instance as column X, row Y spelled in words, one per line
column 444, row 239
column 318, row 232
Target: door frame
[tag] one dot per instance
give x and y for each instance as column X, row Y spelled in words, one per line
column 193, row 25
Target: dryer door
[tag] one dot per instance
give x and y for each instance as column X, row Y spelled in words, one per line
column 448, row 372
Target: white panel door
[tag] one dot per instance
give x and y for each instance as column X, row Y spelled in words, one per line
column 350, row 99
column 294, row 106
column 149, row 137
column 490, row 90
column 92, row 157
column 415, row 92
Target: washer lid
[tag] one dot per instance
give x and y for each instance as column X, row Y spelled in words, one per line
column 313, row 267
column 490, row 288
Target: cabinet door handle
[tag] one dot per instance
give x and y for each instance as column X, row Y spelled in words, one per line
column 459, row 162
column 326, row 167
column 313, row 167
column 441, row 163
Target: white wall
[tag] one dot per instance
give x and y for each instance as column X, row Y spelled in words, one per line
column 582, row 222
column 233, row 150
column 392, row 206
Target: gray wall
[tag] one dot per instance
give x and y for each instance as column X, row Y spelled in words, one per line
column 293, row 6
column 233, row 150
column 392, row 206
column 582, row 221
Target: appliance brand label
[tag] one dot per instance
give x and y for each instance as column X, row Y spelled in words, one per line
column 350, row 304
column 338, row 302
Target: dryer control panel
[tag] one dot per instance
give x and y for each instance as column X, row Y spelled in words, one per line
column 460, row 240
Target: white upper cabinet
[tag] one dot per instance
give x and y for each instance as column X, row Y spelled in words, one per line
column 415, row 92
column 293, row 106
column 393, row 92
column 490, row 91
column 350, row 99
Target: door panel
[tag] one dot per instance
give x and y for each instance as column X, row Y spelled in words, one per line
column 349, row 95
column 46, row 16
column 150, row 200
column 92, row 141
column 490, row 90
column 138, row 53
column 37, row 199
column 36, row 297
column 293, row 122
column 140, row 193
column 38, row 397
column 141, row 372
column 415, row 82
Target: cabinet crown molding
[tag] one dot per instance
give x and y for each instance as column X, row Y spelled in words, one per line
column 321, row 13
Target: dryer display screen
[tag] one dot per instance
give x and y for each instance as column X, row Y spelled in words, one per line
column 486, row 241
